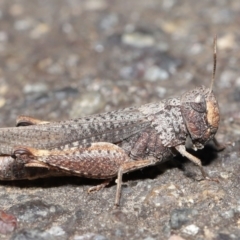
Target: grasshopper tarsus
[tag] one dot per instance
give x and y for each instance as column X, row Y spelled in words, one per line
column 100, row 186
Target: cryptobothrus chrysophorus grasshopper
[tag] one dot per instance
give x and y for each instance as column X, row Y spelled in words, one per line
column 107, row 145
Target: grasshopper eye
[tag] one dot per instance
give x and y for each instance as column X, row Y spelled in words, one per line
column 199, row 104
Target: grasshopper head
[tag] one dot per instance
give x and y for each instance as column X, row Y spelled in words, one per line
column 200, row 112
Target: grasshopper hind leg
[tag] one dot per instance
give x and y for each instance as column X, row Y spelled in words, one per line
column 100, row 160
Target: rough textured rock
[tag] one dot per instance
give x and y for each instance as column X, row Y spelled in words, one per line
column 55, row 55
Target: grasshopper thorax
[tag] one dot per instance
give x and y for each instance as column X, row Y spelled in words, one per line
column 200, row 112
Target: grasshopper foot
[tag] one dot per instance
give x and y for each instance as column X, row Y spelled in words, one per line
column 208, row 178
column 100, row 186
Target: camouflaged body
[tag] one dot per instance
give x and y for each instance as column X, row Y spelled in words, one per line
column 150, row 131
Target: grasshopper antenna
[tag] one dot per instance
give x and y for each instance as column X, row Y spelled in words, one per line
column 214, row 64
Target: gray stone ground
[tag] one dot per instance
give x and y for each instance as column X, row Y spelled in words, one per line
column 65, row 59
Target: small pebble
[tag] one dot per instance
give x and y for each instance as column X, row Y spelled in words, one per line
column 191, row 229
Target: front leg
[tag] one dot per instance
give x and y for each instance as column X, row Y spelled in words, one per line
column 100, row 160
column 181, row 149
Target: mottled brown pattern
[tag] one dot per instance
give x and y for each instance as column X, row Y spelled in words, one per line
column 93, row 162
column 96, row 146
column 201, row 124
column 108, row 127
column 17, row 169
column 110, row 144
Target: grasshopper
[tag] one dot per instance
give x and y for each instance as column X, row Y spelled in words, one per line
column 107, row 145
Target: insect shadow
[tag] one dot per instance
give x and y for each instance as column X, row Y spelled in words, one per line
column 208, row 155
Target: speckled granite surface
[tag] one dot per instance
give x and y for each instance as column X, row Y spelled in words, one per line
column 66, row 59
